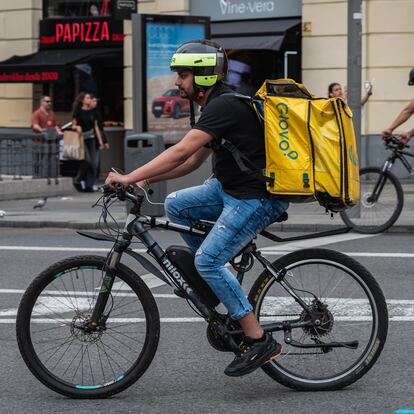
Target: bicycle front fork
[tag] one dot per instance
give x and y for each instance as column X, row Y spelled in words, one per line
column 107, row 283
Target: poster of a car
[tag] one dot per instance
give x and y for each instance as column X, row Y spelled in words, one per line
column 170, row 104
column 167, row 113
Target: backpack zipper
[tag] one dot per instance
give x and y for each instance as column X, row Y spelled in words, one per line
column 344, row 151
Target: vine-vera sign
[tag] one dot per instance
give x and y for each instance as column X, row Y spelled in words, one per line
column 246, row 9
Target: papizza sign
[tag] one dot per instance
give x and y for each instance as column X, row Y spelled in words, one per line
column 92, row 32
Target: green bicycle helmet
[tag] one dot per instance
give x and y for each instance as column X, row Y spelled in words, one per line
column 207, row 61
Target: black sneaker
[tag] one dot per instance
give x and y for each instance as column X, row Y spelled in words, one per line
column 253, row 354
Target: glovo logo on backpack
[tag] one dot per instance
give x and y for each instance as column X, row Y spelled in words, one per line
column 284, row 143
column 287, row 149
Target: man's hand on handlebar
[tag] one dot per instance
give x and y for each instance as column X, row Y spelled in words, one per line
column 404, row 137
column 115, row 178
column 386, row 134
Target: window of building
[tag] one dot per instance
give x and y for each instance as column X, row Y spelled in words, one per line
column 101, row 76
column 76, row 8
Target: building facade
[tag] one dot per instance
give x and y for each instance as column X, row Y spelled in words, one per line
column 308, row 42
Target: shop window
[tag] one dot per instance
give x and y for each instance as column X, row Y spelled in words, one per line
column 76, row 8
column 101, row 76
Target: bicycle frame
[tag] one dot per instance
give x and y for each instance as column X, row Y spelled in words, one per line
column 135, row 227
column 397, row 153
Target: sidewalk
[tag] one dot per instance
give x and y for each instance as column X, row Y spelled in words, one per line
column 74, row 210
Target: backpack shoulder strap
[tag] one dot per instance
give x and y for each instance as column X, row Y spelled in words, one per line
column 242, row 161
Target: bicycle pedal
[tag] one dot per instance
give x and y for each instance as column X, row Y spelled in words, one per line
column 180, row 293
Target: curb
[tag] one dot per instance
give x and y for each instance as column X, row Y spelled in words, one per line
column 41, row 187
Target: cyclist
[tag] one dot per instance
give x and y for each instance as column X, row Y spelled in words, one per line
column 238, row 202
column 404, row 115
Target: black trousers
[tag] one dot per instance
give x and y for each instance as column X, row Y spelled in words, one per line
column 86, row 170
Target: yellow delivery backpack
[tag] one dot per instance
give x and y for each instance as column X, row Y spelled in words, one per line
column 311, row 150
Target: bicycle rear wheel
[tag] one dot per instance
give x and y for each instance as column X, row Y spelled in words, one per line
column 354, row 310
column 375, row 216
column 75, row 361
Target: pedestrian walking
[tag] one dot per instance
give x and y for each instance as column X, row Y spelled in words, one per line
column 84, row 122
column 97, row 161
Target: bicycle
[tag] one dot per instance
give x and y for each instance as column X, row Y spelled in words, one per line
column 88, row 326
column 382, row 196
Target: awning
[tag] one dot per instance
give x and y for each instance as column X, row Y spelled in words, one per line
column 256, row 34
column 47, row 65
column 251, row 42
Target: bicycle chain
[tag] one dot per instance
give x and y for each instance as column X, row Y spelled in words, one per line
column 303, row 353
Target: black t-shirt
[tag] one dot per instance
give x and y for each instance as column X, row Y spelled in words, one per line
column 233, row 119
column 85, row 118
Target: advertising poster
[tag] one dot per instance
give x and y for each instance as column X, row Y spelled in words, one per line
column 167, row 113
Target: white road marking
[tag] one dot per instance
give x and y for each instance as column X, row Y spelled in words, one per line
column 290, row 246
column 343, row 309
column 267, row 251
column 195, row 319
column 59, row 293
column 320, row 241
column 278, row 252
column 117, row 320
column 149, row 279
column 62, row 249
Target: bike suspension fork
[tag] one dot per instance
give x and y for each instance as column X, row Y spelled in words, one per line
column 108, row 280
column 379, row 185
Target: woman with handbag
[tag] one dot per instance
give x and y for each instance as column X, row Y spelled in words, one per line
column 84, row 122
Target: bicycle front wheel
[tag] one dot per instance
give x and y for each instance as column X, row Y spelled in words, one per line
column 376, row 212
column 59, row 347
column 352, row 309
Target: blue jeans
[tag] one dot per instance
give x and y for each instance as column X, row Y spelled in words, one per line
column 237, row 222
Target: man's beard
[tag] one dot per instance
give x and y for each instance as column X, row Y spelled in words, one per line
column 184, row 94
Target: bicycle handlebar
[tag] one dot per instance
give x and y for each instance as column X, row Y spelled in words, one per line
column 393, row 143
column 123, row 193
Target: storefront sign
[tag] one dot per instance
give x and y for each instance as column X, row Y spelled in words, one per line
column 122, row 9
column 62, row 33
column 33, row 76
column 246, row 9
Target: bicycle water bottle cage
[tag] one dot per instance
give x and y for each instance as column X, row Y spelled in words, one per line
column 182, row 257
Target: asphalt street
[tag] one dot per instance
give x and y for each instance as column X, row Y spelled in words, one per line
column 186, row 375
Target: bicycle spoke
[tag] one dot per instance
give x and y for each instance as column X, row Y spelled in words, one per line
column 345, row 299
column 71, row 350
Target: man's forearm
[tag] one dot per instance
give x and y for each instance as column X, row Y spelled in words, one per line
column 163, row 164
column 179, row 171
column 37, row 128
column 401, row 118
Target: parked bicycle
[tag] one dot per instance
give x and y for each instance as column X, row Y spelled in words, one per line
column 88, row 326
column 382, row 196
